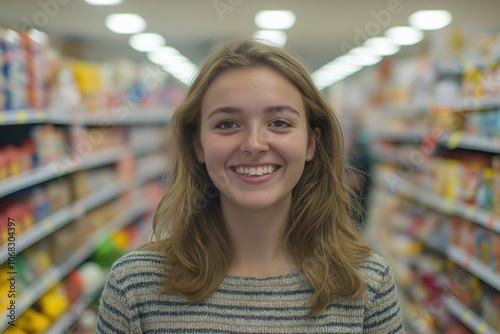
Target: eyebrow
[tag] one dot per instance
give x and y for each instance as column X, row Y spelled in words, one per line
column 269, row 110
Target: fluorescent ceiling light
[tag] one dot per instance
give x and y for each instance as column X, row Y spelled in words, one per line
column 103, row 2
column 382, row 46
column 364, row 56
column 275, row 19
column 183, row 72
column 430, row 19
column 273, row 37
column 344, row 64
column 146, row 42
column 325, row 77
column 125, row 23
column 404, row 35
column 167, row 55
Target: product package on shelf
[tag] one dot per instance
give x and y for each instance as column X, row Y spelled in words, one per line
column 24, row 59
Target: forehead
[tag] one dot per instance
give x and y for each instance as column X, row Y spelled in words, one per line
column 251, row 86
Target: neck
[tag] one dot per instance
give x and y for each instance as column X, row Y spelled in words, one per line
column 256, row 239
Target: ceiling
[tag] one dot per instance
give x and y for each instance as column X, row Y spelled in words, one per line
column 193, row 26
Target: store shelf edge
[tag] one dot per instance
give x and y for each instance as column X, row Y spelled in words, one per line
column 469, row 318
column 45, row 173
column 76, row 310
column 54, row 274
column 66, row 215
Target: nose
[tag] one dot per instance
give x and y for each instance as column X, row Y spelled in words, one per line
column 255, row 141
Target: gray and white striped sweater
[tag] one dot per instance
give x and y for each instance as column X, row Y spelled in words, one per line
column 130, row 303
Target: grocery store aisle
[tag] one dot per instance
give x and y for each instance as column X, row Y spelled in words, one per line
column 84, row 115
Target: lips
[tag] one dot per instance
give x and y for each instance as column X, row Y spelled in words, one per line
column 255, row 170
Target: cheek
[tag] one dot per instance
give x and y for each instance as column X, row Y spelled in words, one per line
column 217, row 151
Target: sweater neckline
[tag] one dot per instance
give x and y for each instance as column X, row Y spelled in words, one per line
column 290, row 278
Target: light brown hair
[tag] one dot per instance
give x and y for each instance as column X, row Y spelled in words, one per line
column 320, row 233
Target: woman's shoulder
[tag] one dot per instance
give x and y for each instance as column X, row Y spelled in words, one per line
column 375, row 268
column 139, row 264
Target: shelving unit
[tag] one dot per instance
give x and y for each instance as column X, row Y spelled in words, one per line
column 78, row 307
column 74, row 312
column 42, row 116
column 54, row 274
column 469, row 318
column 433, row 201
column 51, row 171
column 68, row 214
column 451, row 140
column 466, row 261
column 434, row 143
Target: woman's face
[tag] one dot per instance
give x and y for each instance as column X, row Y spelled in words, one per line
column 253, row 136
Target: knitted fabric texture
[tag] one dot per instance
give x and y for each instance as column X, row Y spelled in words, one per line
column 131, row 303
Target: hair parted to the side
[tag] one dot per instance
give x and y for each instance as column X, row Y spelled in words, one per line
column 326, row 243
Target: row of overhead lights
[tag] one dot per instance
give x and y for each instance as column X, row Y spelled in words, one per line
column 374, row 49
column 169, row 58
column 272, row 25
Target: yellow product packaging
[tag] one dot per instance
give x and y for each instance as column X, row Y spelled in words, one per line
column 89, row 80
column 451, row 174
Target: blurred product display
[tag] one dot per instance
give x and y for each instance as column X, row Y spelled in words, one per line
column 434, row 208
column 83, row 162
column 79, row 178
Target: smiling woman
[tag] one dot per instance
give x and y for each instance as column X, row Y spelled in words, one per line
column 272, row 247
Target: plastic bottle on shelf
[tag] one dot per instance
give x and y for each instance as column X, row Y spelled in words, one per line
column 14, row 70
column 495, row 163
column 40, row 204
column 63, row 94
column 3, row 165
column 484, row 195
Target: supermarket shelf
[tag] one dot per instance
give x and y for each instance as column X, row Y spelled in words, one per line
column 466, row 261
column 443, row 205
column 66, row 215
column 469, row 318
column 76, row 310
column 411, row 135
column 473, row 265
column 65, row 167
column 477, row 104
column 395, row 157
column 459, row 140
column 451, row 140
column 54, row 274
column 23, row 116
column 33, row 116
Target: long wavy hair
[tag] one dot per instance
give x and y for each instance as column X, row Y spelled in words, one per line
column 325, row 241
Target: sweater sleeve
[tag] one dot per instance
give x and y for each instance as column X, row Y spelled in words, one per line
column 383, row 314
column 114, row 316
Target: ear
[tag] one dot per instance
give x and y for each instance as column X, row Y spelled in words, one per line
column 200, row 154
column 311, row 147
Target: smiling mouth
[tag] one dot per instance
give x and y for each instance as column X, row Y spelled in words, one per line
column 255, row 171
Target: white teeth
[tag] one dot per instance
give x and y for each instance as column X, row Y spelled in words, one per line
column 253, row 171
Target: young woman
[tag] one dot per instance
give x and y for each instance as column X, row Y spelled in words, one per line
column 254, row 233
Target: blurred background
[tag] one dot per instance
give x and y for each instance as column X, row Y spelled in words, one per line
column 87, row 88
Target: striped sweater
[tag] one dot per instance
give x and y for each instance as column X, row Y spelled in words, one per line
column 130, row 303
